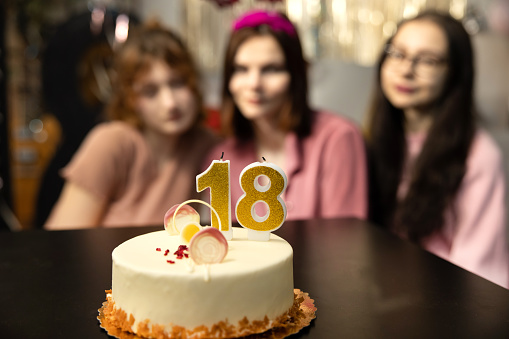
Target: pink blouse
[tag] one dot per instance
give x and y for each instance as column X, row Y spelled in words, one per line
column 326, row 171
column 477, row 241
column 115, row 162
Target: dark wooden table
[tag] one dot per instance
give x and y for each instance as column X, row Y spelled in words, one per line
column 365, row 282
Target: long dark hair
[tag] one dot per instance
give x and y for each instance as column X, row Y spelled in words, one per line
column 439, row 169
column 297, row 115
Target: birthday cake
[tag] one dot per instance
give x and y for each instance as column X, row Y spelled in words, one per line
column 189, row 281
column 153, row 292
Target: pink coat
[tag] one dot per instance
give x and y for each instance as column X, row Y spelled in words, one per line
column 477, row 241
column 116, row 163
column 326, row 171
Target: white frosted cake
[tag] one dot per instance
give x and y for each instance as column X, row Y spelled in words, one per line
column 155, row 294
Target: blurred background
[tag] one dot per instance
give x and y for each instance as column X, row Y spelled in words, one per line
column 55, row 57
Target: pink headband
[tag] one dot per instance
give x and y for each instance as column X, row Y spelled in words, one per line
column 272, row 19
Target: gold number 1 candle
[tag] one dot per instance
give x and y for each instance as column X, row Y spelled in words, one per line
column 259, row 227
column 217, row 177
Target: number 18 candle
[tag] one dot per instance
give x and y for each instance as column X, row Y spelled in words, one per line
column 259, row 227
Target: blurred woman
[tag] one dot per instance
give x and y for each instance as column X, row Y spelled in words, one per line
column 265, row 112
column 129, row 171
column 436, row 178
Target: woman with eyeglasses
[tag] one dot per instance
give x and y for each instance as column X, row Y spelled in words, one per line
column 435, row 177
column 265, row 113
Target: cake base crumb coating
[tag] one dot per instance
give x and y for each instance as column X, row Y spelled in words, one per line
column 119, row 324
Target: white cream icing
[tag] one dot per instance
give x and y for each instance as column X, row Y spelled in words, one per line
column 254, row 280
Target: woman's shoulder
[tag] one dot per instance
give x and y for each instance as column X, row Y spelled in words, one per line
column 113, row 137
column 484, row 146
column 114, row 130
column 108, row 147
column 328, row 124
column 116, row 126
column 485, row 153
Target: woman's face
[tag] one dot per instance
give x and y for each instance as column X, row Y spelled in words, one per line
column 260, row 81
column 165, row 103
column 414, row 72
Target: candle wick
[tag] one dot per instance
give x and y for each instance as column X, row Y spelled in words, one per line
column 264, row 159
column 222, row 154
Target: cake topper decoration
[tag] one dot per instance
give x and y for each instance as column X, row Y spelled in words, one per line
column 217, row 178
column 256, row 197
column 184, row 220
column 174, row 222
column 208, row 246
column 260, row 197
column 189, row 231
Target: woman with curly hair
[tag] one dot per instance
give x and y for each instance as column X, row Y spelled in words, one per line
column 130, row 170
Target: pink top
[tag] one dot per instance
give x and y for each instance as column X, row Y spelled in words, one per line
column 326, row 171
column 115, row 162
column 477, row 241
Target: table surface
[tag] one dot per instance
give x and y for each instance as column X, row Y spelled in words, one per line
column 366, row 283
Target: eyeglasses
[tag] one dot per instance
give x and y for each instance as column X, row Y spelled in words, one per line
column 423, row 66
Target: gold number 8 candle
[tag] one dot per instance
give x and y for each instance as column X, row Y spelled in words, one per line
column 217, row 177
column 259, row 227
